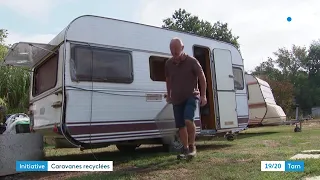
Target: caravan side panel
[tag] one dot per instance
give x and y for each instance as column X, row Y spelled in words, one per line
column 121, row 111
column 108, row 112
column 262, row 106
column 257, row 105
column 275, row 114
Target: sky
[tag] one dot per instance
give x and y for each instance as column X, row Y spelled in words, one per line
column 261, row 25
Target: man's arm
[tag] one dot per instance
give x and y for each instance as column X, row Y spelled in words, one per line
column 202, row 78
column 168, row 87
column 168, row 83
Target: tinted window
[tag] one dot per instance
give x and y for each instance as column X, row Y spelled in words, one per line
column 45, row 75
column 238, row 78
column 108, row 65
column 157, row 68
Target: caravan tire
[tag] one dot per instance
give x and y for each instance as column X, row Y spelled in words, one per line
column 171, row 148
column 127, row 148
column 174, row 146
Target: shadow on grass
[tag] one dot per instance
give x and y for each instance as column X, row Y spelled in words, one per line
column 115, row 156
column 161, row 163
column 207, row 147
column 254, row 134
column 120, row 157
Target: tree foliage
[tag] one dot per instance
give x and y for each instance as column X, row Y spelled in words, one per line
column 14, row 82
column 184, row 21
column 3, row 47
column 297, row 76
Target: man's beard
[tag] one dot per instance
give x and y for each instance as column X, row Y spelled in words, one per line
column 180, row 57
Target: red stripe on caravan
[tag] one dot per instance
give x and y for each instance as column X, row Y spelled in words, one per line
column 115, row 136
column 243, row 120
column 102, row 122
column 107, row 138
column 97, row 127
column 255, row 121
column 116, row 128
column 257, row 105
column 252, row 83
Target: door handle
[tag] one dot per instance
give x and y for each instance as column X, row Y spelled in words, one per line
column 57, row 104
column 231, row 76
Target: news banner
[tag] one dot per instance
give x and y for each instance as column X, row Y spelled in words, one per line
column 23, row 166
column 287, row 166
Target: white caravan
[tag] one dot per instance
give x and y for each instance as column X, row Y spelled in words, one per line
column 101, row 81
column 263, row 109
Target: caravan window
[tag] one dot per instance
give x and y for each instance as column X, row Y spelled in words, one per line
column 109, row 65
column 45, row 75
column 238, row 78
column 157, row 68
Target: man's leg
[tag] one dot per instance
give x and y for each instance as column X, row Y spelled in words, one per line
column 189, row 115
column 191, row 128
column 178, row 111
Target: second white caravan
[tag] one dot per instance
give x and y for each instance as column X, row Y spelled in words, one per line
column 101, row 81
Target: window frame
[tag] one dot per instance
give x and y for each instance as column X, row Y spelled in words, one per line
column 242, row 77
column 248, row 95
column 73, row 57
column 150, row 67
column 34, row 74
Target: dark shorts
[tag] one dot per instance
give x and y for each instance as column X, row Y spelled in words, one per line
column 185, row 111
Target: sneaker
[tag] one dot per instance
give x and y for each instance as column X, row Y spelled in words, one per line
column 184, row 153
column 192, row 150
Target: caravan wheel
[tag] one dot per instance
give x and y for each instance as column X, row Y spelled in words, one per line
column 126, row 148
column 175, row 145
column 229, row 137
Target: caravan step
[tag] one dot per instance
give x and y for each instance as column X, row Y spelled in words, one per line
column 208, row 132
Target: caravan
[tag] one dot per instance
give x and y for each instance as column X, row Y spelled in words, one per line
column 101, row 81
column 263, row 109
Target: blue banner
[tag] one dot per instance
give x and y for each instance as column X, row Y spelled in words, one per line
column 22, row 166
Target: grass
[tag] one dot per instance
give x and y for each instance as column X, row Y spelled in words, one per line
column 216, row 159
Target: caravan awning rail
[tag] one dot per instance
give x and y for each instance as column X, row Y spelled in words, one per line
column 27, row 54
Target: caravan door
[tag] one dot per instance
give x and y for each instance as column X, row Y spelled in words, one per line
column 226, row 94
column 46, row 80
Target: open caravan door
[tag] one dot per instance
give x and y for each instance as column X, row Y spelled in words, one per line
column 226, row 93
column 27, row 55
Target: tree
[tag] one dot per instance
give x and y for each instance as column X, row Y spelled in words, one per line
column 267, row 69
column 14, row 82
column 291, row 62
column 3, row 47
column 183, row 21
column 313, row 62
column 283, row 94
column 299, row 67
column 313, row 65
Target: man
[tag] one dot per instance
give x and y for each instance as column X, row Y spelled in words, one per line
column 182, row 73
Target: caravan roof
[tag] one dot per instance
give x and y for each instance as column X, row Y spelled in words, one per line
column 29, row 54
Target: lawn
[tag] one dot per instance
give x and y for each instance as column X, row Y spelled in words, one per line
column 216, row 159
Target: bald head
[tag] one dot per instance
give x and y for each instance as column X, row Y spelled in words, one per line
column 176, row 48
column 176, row 41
